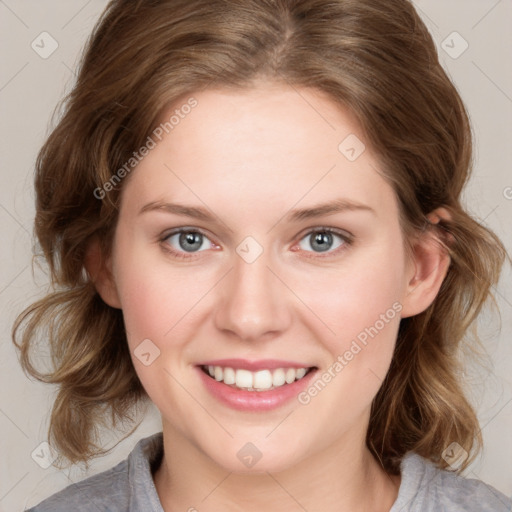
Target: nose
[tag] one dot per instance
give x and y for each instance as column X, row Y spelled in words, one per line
column 253, row 302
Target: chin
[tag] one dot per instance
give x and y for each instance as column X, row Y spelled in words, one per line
column 257, row 457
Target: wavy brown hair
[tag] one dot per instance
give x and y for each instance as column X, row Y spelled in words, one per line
column 376, row 59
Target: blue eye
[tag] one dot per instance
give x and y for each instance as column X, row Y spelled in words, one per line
column 187, row 240
column 323, row 240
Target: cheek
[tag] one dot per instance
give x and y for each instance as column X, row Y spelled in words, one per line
column 362, row 310
column 155, row 303
column 360, row 303
column 363, row 294
column 154, row 294
column 157, row 308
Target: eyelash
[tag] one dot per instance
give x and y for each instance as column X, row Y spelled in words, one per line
column 179, row 254
column 347, row 241
column 346, row 238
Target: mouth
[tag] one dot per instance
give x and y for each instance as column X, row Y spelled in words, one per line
column 254, row 386
column 261, row 380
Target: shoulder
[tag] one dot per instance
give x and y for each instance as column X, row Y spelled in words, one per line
column 91, row 493
column 115, row 490
column 426, row 488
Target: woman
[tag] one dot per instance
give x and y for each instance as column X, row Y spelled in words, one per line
column 251, row 211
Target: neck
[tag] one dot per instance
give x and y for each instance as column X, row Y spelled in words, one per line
column 341, row 478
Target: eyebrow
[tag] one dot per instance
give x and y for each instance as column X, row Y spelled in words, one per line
column 335, row 206
column 179, row 209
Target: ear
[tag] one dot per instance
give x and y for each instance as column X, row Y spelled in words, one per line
column 100, row 273
column 429, row 265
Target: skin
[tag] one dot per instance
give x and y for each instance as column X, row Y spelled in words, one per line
column 250, row 157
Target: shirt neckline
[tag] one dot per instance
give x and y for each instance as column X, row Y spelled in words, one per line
column 148, row 453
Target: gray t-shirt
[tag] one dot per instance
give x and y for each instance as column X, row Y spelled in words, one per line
column 129, row 487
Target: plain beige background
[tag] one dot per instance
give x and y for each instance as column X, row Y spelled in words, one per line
column 30, row 87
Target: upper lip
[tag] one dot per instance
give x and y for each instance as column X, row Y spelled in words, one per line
column 261, row 364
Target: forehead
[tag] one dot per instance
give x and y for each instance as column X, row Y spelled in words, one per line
column 281, row 145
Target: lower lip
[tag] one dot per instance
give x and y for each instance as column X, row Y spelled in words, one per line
column 257, row 401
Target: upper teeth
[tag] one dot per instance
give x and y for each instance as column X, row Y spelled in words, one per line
column 260, row 380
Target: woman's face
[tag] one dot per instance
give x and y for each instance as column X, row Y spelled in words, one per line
column 258, row 238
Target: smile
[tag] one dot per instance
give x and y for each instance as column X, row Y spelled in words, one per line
column 262, row 380
column 254, row 386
